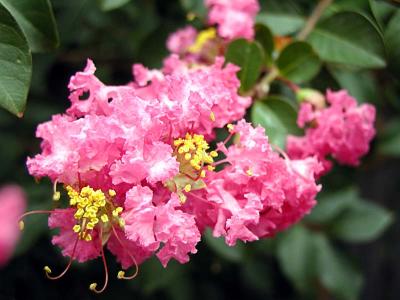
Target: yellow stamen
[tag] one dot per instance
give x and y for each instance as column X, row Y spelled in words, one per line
column 56, row 196
column 212, row 116
column 93, row 286
column 21, row 225
column 121, row 275
column 112, row 193
column 104, row 218
column 202, row 38
column 249, row 172
column 230, row 127
column 188, row 188
column 76, row 228
column 47, row 269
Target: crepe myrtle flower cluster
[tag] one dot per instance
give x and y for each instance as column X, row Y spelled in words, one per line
column 136, row 164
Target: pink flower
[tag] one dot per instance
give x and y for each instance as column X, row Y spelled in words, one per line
column 64, row 220
column 12, row 206
column 235, row 18
column 343, row 130
column 179, row 41
column 150, row 225
column 259, row 192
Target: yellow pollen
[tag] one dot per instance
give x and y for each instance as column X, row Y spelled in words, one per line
column 202, row 38
column 21, row 225
column 212, row 116
column 76, row 228
column 47, row 269
column 188, row 156
column 182, row 198
column 121, row 223
column 249, row 172
column 214, row 153
column 104, row 218
column 203, row 173
column 188, row 188
column 121, row 275
column 56, row 196
column 91, row 207
column 93, row 286
column 210, row 168
column 230, row 127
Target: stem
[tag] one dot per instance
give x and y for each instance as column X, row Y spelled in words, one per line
column 313, row 19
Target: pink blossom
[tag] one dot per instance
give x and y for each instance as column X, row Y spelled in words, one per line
column 12, row 205
column 343, row 131
column 235, row 18
column 259, row 192
column 149, row 225
column 63, row 219
column 179, row 41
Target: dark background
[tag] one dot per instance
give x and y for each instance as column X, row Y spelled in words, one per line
column 137, row 32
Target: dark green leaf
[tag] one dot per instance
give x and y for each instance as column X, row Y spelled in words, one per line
column 390, row 139
column 249, row 56
column 296, row 256
column 335, row 272
column 265, row 38
column 107, row 5
column 15, row 65
column 37, row 21
column 234, row 254
column 360, row 84
column 278, row 116
column 298, row 62
column 331, row 206
column 392, row 41
column 363, row 221
column 348, row 38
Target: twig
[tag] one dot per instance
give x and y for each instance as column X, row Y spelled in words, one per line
column 313, row 19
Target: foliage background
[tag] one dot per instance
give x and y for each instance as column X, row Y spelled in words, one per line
column 341, row 251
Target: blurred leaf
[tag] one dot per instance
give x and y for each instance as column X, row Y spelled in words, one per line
column 265, row 38
column 389, row 141
column 380, row 10
column 392, row 41
column 278, row 116
column 249, row 56
column 360, row 84
column 107, row 5
column 336, row 273
column 362, row 46
column 37, row 21
column 15, row 65
column 296, row 256
column 331, row 206
column 362, row 222
column 194, row 6
column 298, row 62
column 234, row 254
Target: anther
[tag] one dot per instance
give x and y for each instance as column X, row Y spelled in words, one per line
column 47, row 269
column 212, row 116
column 56, row 196
column 21, row 225
column 188, row 188
column 112, row 193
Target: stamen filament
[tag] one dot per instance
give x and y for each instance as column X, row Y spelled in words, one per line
column 121, row 274
column 93, row 286
column 48, row 270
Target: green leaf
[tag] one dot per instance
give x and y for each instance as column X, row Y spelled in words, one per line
column 249, row 56
column 281, row 23
column 234, row 254
column 392, row 41
column 298, row 62
column 348, row 38
column 37, row 21
column 331, row 206
column 278, row 116
column 362, row 222
column 389, row 141
column 360, row 84
column 336, row 272
column 107, row 5
column 296, row 256
column 265, row 38
column 15, row 65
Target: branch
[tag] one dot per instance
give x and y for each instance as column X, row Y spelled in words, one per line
column 313, row 19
